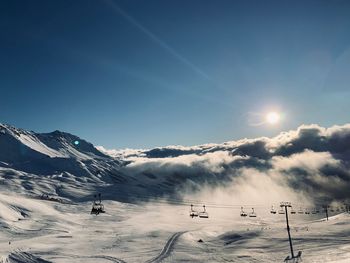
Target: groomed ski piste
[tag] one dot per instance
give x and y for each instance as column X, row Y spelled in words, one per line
column 35, row 230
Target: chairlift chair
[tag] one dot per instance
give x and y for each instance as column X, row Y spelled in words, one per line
column 313, row 211
column 307, row 212
column 97, row 209
column 97, row 206
column 292, row 211
column 281, row 211
column 193, row 213
column 273, row 210
column 204, row 213
column 243, row 214
column 252, row 214
column 300, row 211
column 332, row 209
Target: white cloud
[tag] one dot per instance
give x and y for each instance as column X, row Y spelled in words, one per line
column 310, row 161
column 307, row 160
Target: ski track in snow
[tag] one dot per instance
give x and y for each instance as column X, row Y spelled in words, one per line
column 110, row 258
column 167, row 248
column 113, row 259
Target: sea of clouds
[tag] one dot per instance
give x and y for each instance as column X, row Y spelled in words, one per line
column 309, row 164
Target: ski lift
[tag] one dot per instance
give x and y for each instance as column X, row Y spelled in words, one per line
column 204, row 213
column 193, row 213
column 252, row 214
column 292, row 211
column 273, row 210
column 307, row 212
column 243, row 214
column 97, row 206
column 281, row 211
column 300, row 211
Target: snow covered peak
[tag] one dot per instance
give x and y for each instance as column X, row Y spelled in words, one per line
column 53, row 144
column 70, row 145
column 47, row 153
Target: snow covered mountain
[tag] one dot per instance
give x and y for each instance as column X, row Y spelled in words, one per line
column 52, row 160
column 45, row 152
column 67, row 167
column 310, row 163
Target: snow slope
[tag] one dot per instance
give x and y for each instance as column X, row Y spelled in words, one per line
column 64, row 165
column 154, row 232
column 50, row 163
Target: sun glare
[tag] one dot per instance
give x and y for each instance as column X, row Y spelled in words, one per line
column 272, row 117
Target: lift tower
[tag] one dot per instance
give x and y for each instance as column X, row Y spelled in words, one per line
column 294, row 258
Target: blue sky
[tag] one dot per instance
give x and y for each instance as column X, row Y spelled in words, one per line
column 150, row 73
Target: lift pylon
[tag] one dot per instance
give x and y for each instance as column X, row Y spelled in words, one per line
column 293, row 258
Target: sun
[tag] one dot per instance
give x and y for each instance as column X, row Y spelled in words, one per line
column 272, row 117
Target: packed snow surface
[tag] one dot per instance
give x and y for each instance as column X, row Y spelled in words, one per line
column 35, row 230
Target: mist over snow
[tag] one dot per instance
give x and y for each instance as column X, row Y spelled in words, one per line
column 309, row 163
